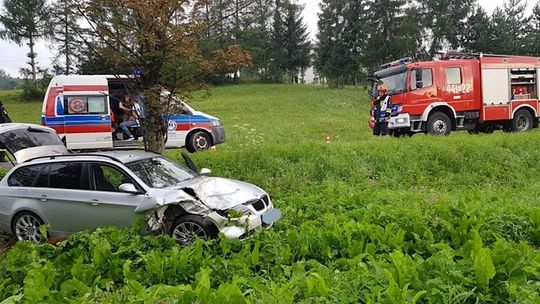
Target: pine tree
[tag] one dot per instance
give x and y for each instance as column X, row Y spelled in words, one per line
column 66, row 35
column 26, row 21
column 332, row 54
column 444, row 19
column 255, row 39
column 386, row 21
column 533, row 35
column 355, row 36
column 509, row 26
column 477, row 34
column 296, row 45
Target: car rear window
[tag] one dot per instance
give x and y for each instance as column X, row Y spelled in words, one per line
column 20, row 139
column 25, row 176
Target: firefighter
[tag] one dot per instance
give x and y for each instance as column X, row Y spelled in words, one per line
column 4, row 117
column 382, row 109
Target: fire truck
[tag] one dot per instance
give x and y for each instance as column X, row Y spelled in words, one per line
column 476, row 92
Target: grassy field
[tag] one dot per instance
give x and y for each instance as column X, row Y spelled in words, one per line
column 369, row 220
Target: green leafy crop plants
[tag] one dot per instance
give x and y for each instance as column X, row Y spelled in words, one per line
column 365, row 220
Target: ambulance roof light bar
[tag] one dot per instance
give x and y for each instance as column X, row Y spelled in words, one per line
column 397, row 62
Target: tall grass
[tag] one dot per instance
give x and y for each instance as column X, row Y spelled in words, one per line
column 372, row 220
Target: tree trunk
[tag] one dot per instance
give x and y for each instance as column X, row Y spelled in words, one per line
column 66, row 42
column 155, row 125
column 32, row 57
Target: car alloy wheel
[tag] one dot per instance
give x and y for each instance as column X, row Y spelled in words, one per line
column 186, row 232
column 26, row 228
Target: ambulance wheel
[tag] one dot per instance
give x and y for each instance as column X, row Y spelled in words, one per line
column 523, row 121
column 439, row 124
column 198, row 141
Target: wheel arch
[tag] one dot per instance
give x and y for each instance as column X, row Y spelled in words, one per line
column 531, row 110
column 209, row 133
column 441, row 107
column 175, row 211
column 25, row 210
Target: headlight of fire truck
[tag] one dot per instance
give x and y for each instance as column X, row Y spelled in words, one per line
column 396, row 109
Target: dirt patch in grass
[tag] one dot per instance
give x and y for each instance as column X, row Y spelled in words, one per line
column 6, row 241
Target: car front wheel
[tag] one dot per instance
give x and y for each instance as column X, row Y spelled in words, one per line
column 26, row 227
column 189, row 227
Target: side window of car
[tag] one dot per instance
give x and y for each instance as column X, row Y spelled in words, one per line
column 25, row 176
column 107, row 178
column 67, row 176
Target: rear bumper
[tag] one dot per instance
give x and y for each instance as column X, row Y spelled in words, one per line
column 218, row 135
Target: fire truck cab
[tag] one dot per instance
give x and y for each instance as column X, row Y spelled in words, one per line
column 474, row 92
column 85, row 112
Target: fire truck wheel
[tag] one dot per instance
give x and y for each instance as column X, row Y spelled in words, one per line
column 523, row 121
column 439, row 124
column 198, row 141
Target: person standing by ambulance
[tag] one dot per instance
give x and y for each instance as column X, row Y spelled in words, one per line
column 382, row 109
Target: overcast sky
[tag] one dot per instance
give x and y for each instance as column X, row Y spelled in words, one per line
column 13, row 57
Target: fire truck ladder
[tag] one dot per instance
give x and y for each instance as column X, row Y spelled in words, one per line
column 461, row 55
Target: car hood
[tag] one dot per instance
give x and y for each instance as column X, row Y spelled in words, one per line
column 214, row 192
column 199, row 113
column 221, row 193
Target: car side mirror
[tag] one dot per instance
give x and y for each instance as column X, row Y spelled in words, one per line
column 128, row 188
column 205, row 171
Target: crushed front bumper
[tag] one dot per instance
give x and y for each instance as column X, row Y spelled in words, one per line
column 238, row 228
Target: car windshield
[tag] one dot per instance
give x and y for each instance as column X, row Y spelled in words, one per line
column 159, row 172
column 394, row 79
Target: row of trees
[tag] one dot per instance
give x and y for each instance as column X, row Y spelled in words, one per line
column 356, row 36
column 270, row 31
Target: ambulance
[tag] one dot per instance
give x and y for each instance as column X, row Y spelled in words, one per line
column 84, row 111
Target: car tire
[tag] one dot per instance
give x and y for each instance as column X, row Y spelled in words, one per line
column 198, row 141
column 26, row 225
column 188, row 227
column 439, row 124
column 523, row 121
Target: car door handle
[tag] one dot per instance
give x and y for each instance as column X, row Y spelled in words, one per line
column 94, row 202
column 43, row 198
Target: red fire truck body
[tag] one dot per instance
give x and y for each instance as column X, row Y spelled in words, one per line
column 475, row 92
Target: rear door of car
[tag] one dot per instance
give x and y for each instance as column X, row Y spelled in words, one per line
column 63, row 194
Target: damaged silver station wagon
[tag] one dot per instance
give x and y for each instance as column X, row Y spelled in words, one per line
column 74, row 192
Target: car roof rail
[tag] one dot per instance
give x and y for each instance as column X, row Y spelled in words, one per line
column 72, row 155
